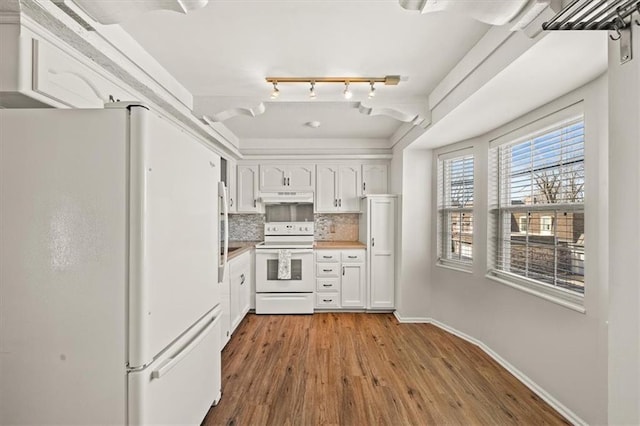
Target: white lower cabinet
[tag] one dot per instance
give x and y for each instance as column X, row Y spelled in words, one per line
column 353, row 285
column 240, row 288
column 340, row 279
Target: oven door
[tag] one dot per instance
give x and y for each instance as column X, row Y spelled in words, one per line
column 267, row 272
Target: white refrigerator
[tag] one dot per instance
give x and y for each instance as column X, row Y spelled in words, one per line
column 109, row 294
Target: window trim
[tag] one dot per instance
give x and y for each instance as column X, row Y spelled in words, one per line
column 570, row 299
column 441, row 212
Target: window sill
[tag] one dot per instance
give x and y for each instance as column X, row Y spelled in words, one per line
column 460, row 267
column 573, row 302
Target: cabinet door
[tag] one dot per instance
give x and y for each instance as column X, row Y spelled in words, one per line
column 225, row 305
column 326, row 185
column 382, row 243
column 247, row 189
column 234, row 305
column 273, row 178
column 352, row 293
column 374, row 179
column 231, row 185
column 349, row 188
column 300, row 177
column 245, row 287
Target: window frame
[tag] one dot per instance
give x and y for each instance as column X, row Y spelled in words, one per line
column 571, row 299
column 443, row 213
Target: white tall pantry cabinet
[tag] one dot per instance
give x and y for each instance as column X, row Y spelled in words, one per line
column 378, row 232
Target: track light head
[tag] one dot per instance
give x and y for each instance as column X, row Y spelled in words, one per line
column 372, row 92
column 312, row 91
column 276, row 91
column 348, row 94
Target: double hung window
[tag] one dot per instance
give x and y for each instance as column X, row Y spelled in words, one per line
column 537, row 209
column 455, row 209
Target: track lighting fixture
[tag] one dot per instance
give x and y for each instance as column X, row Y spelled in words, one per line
column 348, row 94
column 276, row 91
column 389, row 80
column 312, row 91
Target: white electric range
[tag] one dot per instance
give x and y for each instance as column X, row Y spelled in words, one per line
column 285, row 296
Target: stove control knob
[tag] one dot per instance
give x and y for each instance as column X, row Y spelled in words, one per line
column 274, row 229
column 306, row 228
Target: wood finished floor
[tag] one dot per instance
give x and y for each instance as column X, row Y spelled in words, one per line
column 365, row 369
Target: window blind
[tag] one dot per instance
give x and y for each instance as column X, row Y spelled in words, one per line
column 455, row 209
column 538, row 192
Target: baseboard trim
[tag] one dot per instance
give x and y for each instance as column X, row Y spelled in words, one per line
column 411, row 319
column 523, row 378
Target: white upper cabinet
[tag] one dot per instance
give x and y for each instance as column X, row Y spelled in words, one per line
column 374, row 179
column 247, row 189
column 292, row 177
column 337, row 188
column 326, row 188
column 301, row 177
column 349, row 184
column 231, row 185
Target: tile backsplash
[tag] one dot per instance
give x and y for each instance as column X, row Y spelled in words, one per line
column 336, row 227
column 329, row 227
column 246, row 227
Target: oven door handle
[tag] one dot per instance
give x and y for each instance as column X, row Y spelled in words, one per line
column 276, row 251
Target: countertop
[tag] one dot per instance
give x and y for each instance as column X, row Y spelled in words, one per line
column 339, row 245
column 240, row 247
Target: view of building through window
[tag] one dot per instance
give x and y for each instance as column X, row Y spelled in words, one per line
column 541, row 207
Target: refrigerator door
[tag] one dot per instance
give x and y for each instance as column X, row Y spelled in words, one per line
column 182, row 384
column 63, row 268
column 173, row 234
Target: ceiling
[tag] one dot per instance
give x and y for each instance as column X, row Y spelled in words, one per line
column 559, row 63
column 223, row 52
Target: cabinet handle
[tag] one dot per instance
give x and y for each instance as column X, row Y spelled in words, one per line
column 288, row 181
column 284, row 181
column 242, row 279
column 255, row 203
column 364, row 186
column 335, row 203
column 352, row 257
column 373, row 242
column 340, row 202
column 230, row 202
column 327, row 270
column 327, row 257
column 343, row 271
column 326, row 285
column 327, row 300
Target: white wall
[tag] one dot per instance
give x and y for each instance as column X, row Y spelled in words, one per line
column 561, row 350
column 411, row 169
column 624, row 161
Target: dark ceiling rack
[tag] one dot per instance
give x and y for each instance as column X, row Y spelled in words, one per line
column 606, row 15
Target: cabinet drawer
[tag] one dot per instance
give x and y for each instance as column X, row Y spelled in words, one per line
column 327, row 270
column 352, row 256
column 327, row 256
column 324, row 285
column 328, row 300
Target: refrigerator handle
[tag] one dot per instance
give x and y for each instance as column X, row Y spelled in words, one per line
column 222, row 192
column 169, row 363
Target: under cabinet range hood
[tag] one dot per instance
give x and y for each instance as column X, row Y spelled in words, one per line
column 286, row 197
